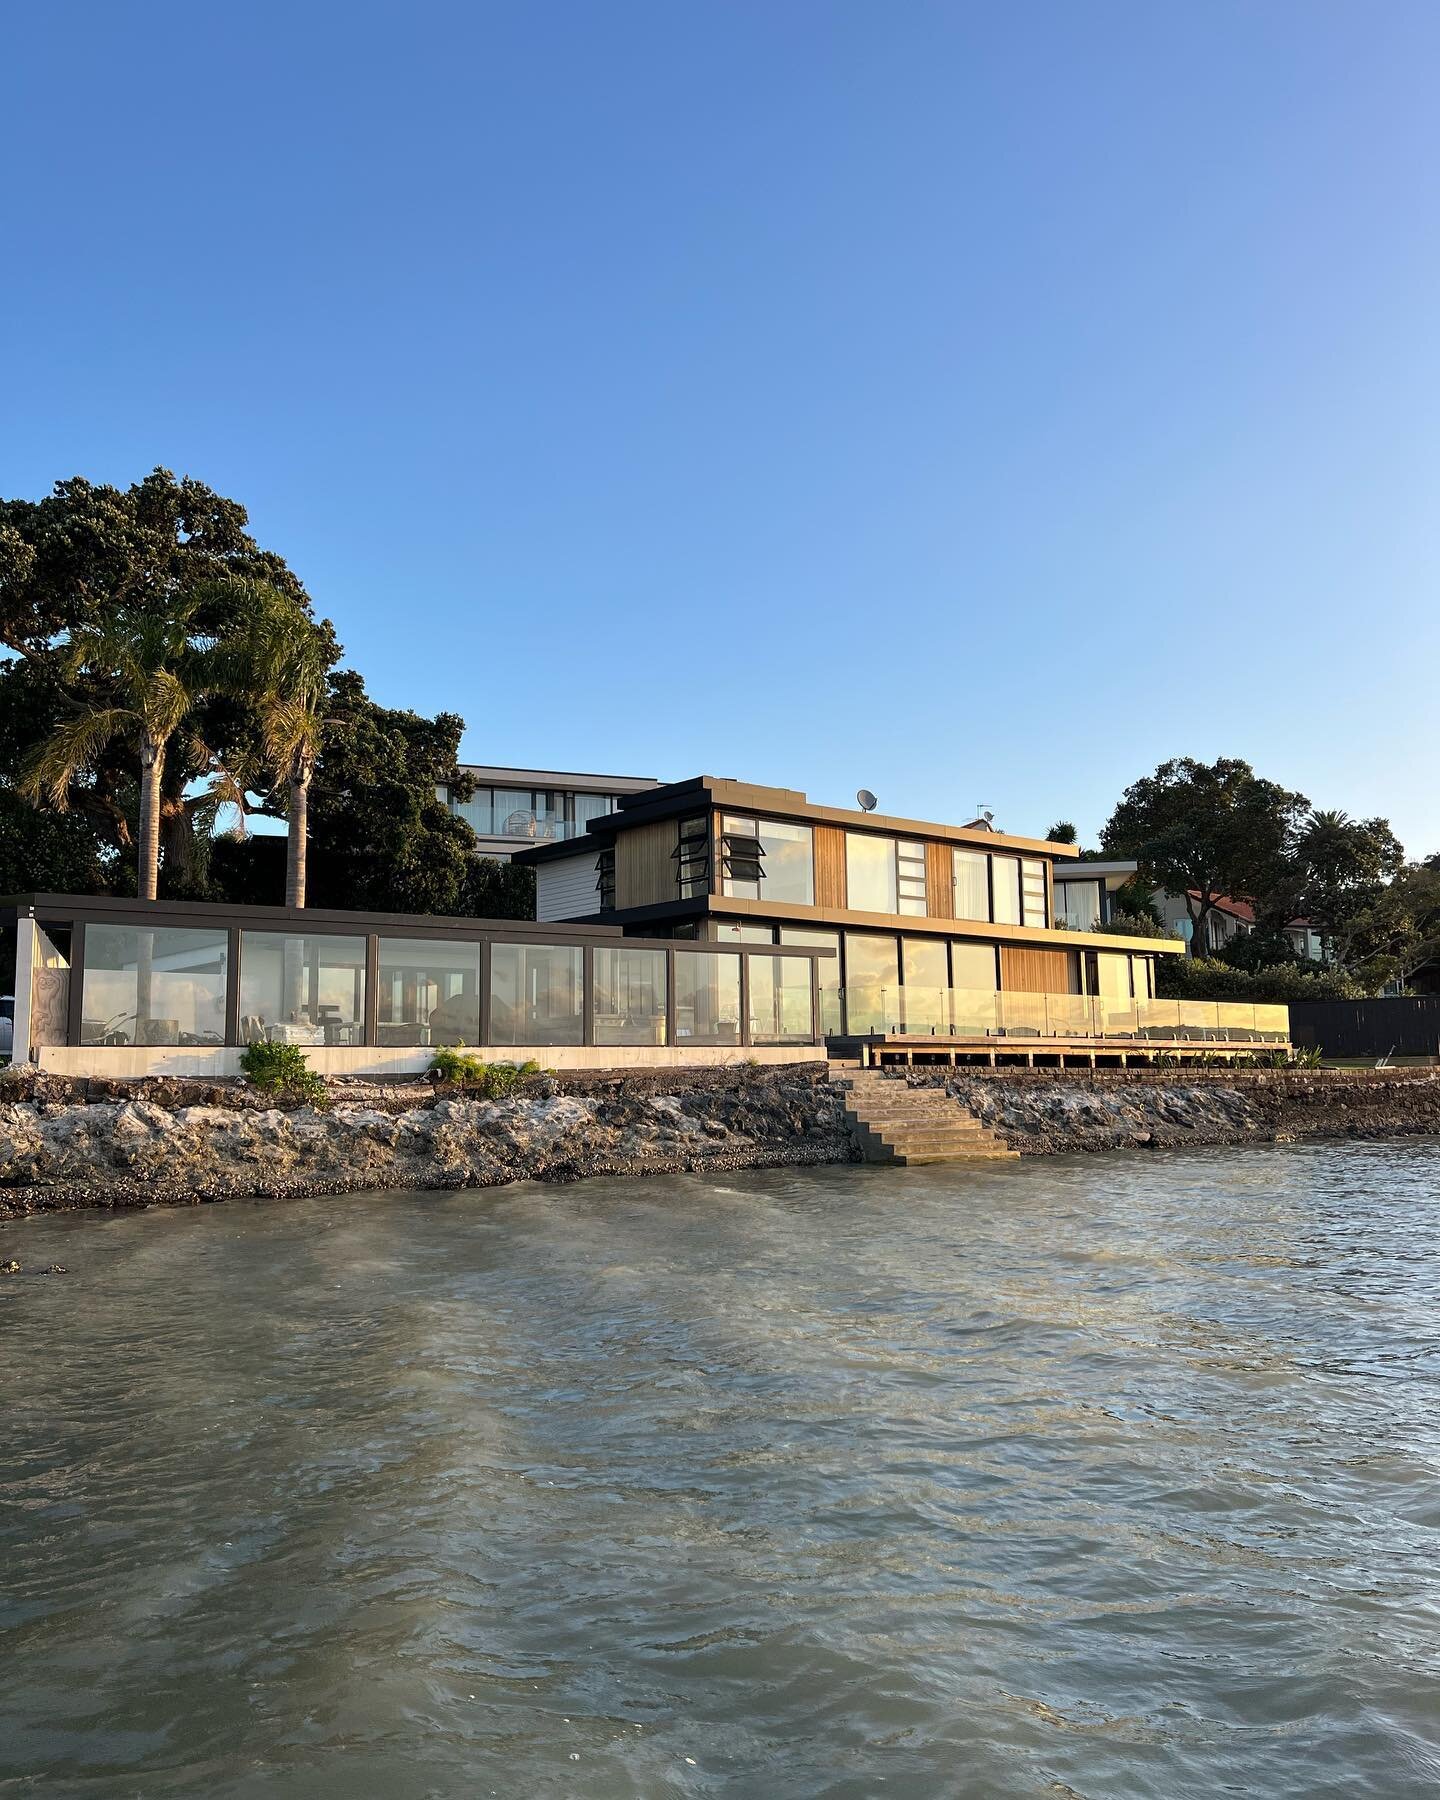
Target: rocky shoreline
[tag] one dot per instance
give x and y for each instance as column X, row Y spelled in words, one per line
column 68, row 1144
column 1045, row 1113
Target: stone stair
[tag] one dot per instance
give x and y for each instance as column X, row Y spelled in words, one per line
column 895, row 1123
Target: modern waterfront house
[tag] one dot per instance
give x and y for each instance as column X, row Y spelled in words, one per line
column 698, row 922
column 510, row 809
column 940, row 939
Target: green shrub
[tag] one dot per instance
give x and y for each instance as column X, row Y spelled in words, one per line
column 282, row 1069
column 1128, row 924
column 1204, row 978
column 487, row 1081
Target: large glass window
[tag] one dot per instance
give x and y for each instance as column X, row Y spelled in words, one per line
column 787, row 861
column 301, row 989
column 1005, row 884
column 1032, row 882
column 707, row 997
column 629, row 996
column 972, row 966
column 910, row 868
column 591, row 806
column 537, row 994
column 872, row 981
column 478, row 811
column 1077, row 904
column 869, row 873
column 972, row 884
column 429, row 992
column 927, row 983
column 827, row 969
column 143, row 986
column 781, row 1003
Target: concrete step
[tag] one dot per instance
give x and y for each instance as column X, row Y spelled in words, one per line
column 932, row 1138
column 894, row 1129
column 884, row 1156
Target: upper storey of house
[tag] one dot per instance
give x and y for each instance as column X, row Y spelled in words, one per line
column 714, row 849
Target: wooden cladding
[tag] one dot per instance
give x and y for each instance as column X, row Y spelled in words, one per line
column 645, row 864
column 829, row 866
column 1026, row 971
column 939, row 881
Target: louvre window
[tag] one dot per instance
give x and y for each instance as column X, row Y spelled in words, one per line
column 605, row 877
column 692, row 858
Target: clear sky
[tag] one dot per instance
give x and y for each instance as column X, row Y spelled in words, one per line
column 977, row 402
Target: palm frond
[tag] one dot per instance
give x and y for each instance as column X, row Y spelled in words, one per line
column 70, row 750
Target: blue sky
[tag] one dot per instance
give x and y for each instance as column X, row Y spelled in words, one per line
column 980, row 403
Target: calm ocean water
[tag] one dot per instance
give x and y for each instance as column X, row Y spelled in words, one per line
column 1104, row 1477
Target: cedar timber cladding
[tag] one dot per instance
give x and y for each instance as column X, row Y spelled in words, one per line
column 645, row 864
column 1026, row 971
column 829, row 866
column 939, row 881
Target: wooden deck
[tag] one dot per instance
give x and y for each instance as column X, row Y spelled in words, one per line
column 1032, row 1050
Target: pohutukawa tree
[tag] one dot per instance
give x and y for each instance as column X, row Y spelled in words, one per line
column 1209, row 831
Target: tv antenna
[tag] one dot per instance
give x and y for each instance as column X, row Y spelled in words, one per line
column 867, row 800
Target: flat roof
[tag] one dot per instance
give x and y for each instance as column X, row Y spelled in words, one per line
column 495, row 775
column 676, row 797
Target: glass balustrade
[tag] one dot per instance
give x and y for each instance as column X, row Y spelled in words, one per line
column 913, row 1010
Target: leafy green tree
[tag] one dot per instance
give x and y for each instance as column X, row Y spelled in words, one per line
column 45, row 852
column 381, row 838
column 87, row 552
column 1342, row 867
column 1062, row 832
column 1207, row 831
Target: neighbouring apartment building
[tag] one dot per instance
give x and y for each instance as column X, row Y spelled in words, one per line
column 513, row 808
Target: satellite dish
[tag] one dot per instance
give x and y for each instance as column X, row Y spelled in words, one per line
column 867, row 800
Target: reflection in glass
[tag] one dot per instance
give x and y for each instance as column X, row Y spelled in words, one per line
column 301, row 989
column 927, row 980
column 1005, row 880
column 629, row 996
column 972, row 966
column 429, row 992
column 147, row 986
column 707, row 997
column 537, row 994
column 869, row 873
column 872, row 980
column 781, row 1003
column 787, row 861
column 828, row 970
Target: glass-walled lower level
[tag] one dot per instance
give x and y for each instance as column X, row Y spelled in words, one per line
column 872, row 980
column 158, row 985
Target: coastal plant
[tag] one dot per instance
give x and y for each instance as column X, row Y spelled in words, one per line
column 486, row 1081
column 282, row 1069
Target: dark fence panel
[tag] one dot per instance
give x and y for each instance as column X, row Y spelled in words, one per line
column 1369, row 1027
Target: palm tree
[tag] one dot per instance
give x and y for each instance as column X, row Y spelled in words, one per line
column 153, row 667
column 287, row 660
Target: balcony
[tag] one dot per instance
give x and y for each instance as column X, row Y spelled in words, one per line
column 912, row 1021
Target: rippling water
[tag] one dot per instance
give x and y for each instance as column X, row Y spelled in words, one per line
column 1100, row 1477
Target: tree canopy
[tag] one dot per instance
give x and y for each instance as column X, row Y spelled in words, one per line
column 1207, row 831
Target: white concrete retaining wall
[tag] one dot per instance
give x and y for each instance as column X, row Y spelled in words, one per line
column 125, row 1061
